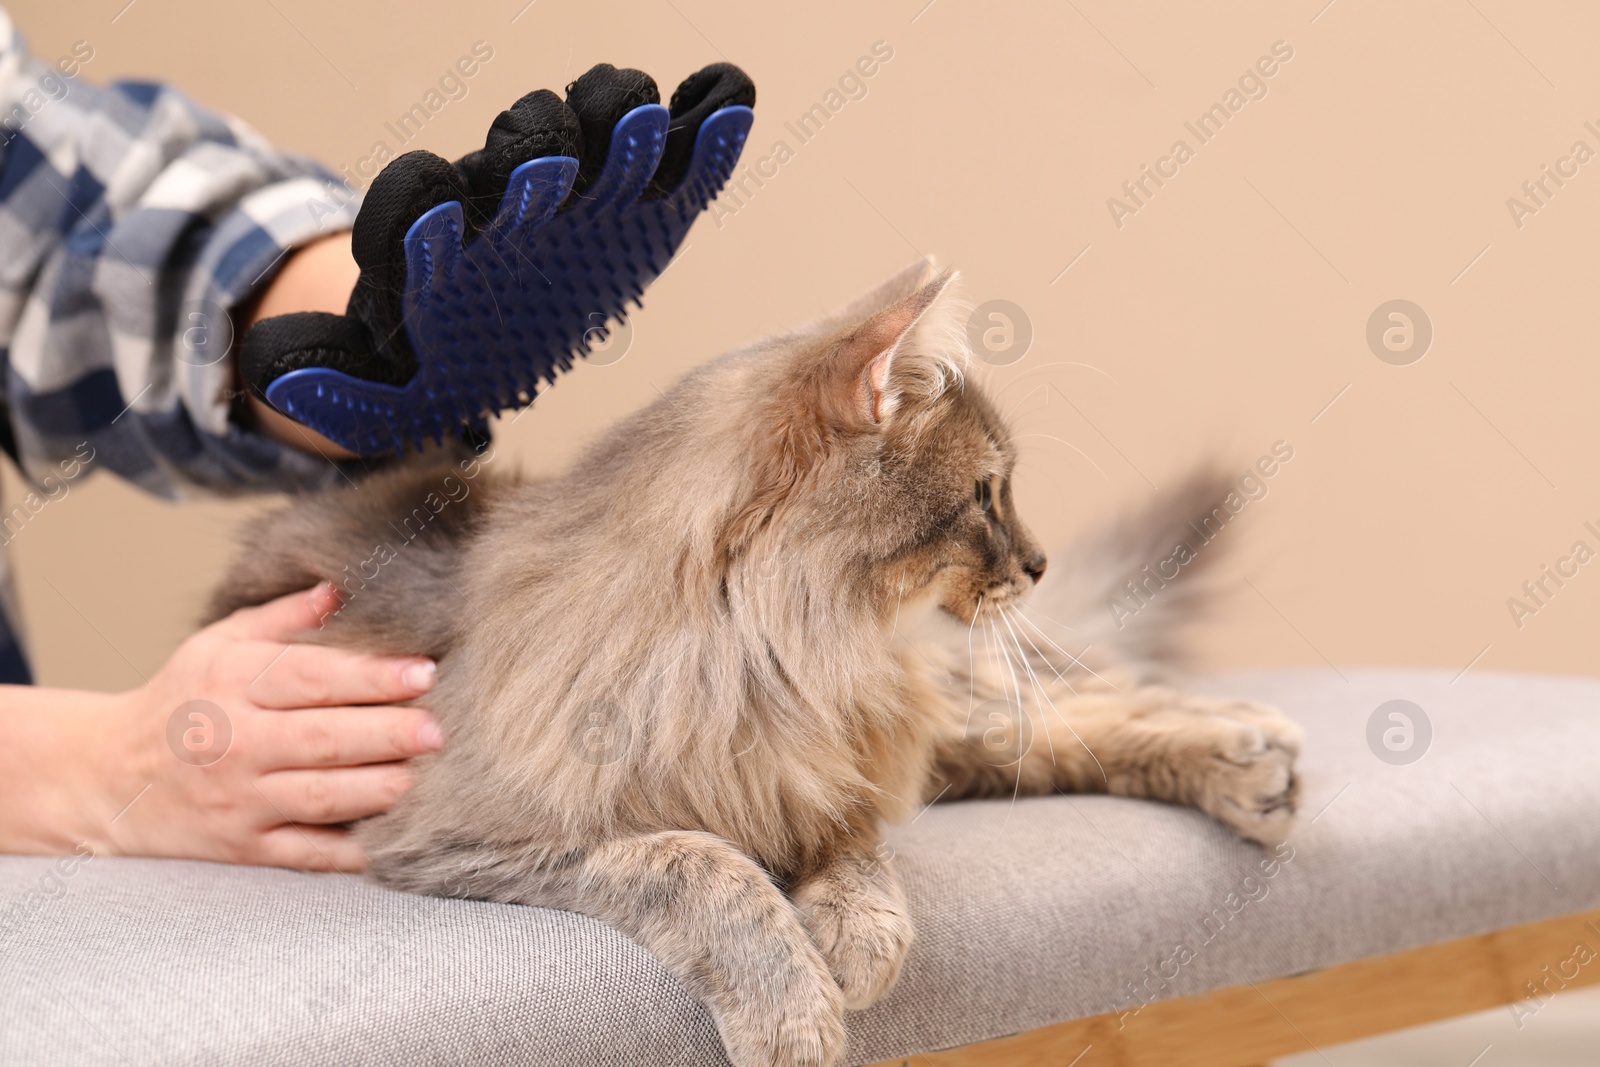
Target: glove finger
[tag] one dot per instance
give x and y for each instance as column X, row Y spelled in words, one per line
column 538, row 125
column 599, row 99
column 274, row 347
column 404, row 190
column 701, row 95
column 534, row 192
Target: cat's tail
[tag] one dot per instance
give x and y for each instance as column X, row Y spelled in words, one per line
column 1124, row 593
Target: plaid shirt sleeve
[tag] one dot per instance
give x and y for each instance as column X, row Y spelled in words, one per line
column 133, row 222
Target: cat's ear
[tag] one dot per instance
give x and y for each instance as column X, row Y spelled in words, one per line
column 911, row 349
column 903, row 283
column 906, row 281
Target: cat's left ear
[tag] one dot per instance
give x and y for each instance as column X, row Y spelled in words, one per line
column 913, row 349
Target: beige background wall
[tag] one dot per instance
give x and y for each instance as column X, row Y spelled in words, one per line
column 1224, row 315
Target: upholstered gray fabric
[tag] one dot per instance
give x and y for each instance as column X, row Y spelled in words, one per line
column 1027, row 913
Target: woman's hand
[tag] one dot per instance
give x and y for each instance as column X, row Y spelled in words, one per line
column 243, row 748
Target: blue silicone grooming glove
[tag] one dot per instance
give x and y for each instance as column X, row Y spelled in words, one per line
column 484, row 277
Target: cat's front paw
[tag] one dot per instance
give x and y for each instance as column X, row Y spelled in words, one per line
column 863, row 936
column 1246, row 778
column 804, row 1027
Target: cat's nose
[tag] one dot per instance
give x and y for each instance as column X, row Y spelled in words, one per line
column 1034, row 566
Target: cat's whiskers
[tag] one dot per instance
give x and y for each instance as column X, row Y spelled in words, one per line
column 1040, row 697
column 1010, row 416
column 1022, row 615
column 1034, row 608
column 1047, row 662
column 1044, row 691
column 999, row 594
column 972, row 670
column 1004, row 658
column 1027, row 423
column 1052, row 437
column 1041, row 368
column 1011, row 668
column 1016, row 787
column 994, row 658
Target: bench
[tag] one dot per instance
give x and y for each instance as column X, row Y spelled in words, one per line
column 1451, row 867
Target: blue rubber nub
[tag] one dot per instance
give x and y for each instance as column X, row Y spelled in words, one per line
column 490, row 321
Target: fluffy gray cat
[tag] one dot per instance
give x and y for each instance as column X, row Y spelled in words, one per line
column 685, row 683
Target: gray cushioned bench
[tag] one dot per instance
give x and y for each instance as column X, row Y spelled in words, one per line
column 1027, row 914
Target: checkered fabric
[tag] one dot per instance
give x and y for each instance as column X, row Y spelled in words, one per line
column 133, row 222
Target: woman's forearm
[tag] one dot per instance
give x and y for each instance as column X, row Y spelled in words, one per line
column 317, row 277
column 56, row 789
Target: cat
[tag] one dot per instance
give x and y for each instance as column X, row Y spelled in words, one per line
column 684, row 684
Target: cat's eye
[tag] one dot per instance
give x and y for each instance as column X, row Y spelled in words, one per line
column 983, row 493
